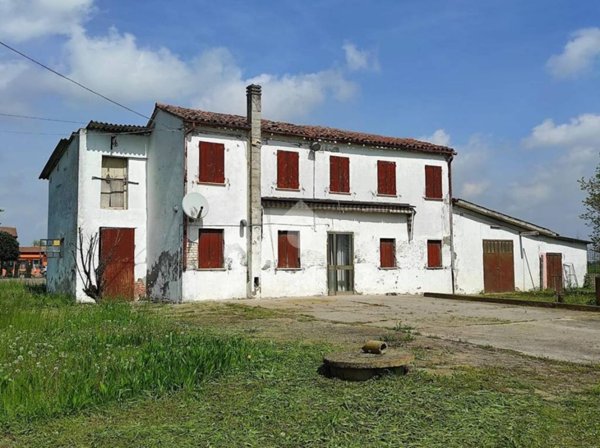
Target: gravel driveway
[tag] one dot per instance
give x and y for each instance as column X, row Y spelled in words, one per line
column 557, row 334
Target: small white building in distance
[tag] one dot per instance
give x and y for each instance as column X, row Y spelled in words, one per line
column 199, row 205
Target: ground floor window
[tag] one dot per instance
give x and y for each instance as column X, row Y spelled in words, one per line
column 288, row 249
column 210, row 248
column 387, row 252
column 434, row 254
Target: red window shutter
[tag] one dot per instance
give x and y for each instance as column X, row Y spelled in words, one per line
column 339, row 174
column 387, row 253
column 434, row 254
column 212, row 162
column 433, row 182
column 293, row 170
column 386, row 177
column 210, row 248
column 287, row 170
column 288, row 249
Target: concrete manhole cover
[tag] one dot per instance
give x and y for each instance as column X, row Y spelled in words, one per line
column 359, row 366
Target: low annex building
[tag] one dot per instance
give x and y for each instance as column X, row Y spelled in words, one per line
column 287, row 210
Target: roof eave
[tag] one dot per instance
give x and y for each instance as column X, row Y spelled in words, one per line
column 55, row 157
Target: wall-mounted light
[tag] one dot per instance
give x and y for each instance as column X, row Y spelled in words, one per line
column 315, row 146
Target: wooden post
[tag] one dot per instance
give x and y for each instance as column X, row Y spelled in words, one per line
column 558, row 288
column 598, row 290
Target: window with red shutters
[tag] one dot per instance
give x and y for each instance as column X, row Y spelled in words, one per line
column 387, row 252
column 386, row 178
column 339, row 174
column 433, row 182
column 210, row 249
column 212, row 163
column 434, row 254
column 287, row 170
column 288, row 250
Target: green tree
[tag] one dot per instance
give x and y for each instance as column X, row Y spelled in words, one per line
column 592, row 206
column 9, row 247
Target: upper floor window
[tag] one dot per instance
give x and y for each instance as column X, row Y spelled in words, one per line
column 433, row 182
column 386, row 178
column 287, row 170
column 339, row 174
column 210, row 249
column 387, row 253
column 113, row 193
column 212, row 163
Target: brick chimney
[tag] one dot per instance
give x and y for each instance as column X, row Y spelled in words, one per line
column 253, row 96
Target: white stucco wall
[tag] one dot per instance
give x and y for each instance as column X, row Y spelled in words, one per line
column 410, row 276
column 91, row 217
column 62, row 219
column 165, row 187
column 471, row 229
column 228, row 206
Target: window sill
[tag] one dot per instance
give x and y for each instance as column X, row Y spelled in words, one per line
column 287, row 189
column 345, row 193
column 434, row 268
column 288, row 269
column 214, row 184
column 433, row 199
column 391, row 268
column 384, row 195
column 209, row 269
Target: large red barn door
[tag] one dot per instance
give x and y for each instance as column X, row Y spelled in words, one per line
column 498, row 266
column 117, row 246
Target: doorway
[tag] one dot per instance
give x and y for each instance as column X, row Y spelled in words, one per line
column 117, row 246
column 340, row 263
column 498, row 266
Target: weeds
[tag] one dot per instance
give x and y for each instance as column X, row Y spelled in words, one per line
column 56, row 357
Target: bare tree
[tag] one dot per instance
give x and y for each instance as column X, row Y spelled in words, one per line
column 91, row 265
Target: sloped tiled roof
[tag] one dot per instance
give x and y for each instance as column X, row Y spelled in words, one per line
column 213, row 119
column 10, row 230
column 515, row 222
column 116, row 128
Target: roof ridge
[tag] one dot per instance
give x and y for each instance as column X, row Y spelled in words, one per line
column 314, row 132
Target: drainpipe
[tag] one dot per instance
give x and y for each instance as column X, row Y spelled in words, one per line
column 450, row 158
column 253, row 97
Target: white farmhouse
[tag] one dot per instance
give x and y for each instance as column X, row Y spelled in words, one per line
column 289, row 210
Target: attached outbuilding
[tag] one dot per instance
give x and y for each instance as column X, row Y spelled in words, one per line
column 495, row 252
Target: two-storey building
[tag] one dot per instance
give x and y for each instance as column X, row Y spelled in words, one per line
column 292, row 210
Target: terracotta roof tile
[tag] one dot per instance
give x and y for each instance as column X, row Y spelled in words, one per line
column 213, row 119
column 116, row 128
column 10, row 230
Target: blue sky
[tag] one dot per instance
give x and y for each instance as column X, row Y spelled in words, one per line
column 511, row 85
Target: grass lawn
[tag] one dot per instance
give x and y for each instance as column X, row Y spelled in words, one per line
column 574, row 296
column 227, row 375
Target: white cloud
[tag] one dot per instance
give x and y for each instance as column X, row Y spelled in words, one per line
column 360, row 59
column 28, row 19
column 439, row 137
column 583, row 130
column 118, row 67
column 473, row 190
column 578, row 55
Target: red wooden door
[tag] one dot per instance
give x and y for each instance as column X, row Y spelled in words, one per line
column 117, row 247
column 554, row 271
column 498, row 266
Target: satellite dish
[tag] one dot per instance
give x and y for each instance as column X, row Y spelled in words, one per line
column 194, row 205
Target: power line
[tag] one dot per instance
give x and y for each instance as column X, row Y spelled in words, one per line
column 28, row 133
column 14, row 50
column 30, row 117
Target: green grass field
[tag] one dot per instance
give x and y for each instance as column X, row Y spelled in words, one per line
column 579, row 296
column 141, row 375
